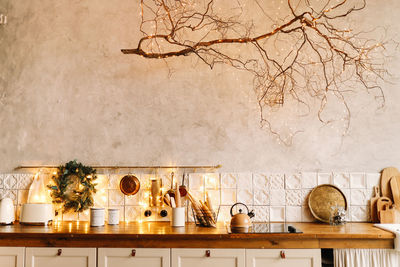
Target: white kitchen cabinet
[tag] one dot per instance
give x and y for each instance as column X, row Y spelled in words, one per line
column 208, row 257
column 12, row 256
column 60, row 257
column 135, row 257
column 283, row 257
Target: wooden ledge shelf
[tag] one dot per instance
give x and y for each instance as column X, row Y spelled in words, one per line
column 161, row 235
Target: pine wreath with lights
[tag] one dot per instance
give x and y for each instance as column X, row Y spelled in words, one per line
column 73, row 186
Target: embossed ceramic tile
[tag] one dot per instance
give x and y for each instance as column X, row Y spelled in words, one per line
column 373, row 179
column 114, row 181
column 84, row 216
column 197, row 194
column 293, row 198
column 224, row 214
column 359, row 197
column 277, row 214
column 306, row 215
column 10, row 182
column 245, row 181
column 228, row 180
column 304, row 196
column 293, row 181
column 277, row 181
column 293, row 213
column 22, row 196
column 24, row 181
column 261, row 181
column 277, row 197
column 357, row 180
column 115, row 198
column 10, row 194
column 324, row 178
column 261, row 197
column 309, row 180
column 228, row 196
column 359, row 214
column 2, row 176
column 341, row 180
column 133, row 200
column 102, row 181
column 261, row 213
column 70, row 216
column 196, row 181
column 101, row 198
column 212, row 181
column 347, row 194
column 215, row 196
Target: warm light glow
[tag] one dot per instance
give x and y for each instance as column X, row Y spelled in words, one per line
column 38, row 192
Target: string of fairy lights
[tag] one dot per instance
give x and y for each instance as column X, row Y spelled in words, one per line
column 295, row 49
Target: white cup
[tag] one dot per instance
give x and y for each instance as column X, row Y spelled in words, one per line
column 178, row 217
column 113, row 216
column 96, row 217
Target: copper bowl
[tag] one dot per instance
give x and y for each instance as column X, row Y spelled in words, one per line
column 129, row 185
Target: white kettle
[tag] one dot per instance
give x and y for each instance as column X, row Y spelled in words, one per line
column 7, row 212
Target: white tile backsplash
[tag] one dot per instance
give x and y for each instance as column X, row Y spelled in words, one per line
column 274, row 197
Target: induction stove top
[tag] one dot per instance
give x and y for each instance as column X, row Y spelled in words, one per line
column 267, row 228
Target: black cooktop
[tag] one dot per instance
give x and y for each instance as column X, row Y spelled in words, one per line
column 267, row 228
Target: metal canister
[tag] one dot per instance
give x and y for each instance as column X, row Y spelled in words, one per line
column 113, row 216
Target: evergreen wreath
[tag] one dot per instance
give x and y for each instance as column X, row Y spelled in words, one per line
column 73, row 186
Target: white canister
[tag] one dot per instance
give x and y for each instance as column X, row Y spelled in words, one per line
column 97, row 217
column 113, row 216
column 178, row 217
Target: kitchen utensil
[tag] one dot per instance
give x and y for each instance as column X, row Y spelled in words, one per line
column 36, row 214
column 7, row 213
column 182, row 188
column 241, row 220
column 395, row 186
column 178, row 200
column 129, row 185
column 171, row 192
column 373, row 207
column 178, row 217
column 389, row 215
column 386, row 175
column 322, row 198
column 383, row 203
column 156, row 193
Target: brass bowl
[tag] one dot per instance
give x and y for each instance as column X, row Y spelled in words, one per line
column 129, row 185
column 322, row 198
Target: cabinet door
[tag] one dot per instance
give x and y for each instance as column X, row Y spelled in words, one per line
column 283, row 257
column 60, row 257
column 208, row 257
column 12, row 256
column 140, row 257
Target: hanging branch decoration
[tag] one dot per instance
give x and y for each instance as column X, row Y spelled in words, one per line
column 73, row 187
column 307, row 55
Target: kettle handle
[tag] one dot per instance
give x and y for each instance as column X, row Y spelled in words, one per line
column 238, row 203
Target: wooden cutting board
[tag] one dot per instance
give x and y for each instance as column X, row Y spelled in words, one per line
column 383, row 203
column 395, row 186
column 373, row 207
column 386, row 175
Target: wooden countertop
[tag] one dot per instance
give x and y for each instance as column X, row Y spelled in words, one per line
column 161, row 235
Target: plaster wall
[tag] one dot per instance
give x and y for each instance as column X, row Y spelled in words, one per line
column 67, row 92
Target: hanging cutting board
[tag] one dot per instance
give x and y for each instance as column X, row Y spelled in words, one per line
column 373, row 207
column 395, row 186
column 386, row 175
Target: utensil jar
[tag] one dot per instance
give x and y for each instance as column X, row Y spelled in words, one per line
column 96, row 217
column 178, row 217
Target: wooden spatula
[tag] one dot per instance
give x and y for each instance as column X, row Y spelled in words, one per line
column 373, row 207
column 386, row 175
column 395, row 186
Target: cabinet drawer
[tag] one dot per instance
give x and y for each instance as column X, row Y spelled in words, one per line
column 60, row 257
column 283, row 257
column 12, row 256
column 208, row 257
column 124, row 257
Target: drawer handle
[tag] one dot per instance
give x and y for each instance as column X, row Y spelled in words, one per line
column 59, row 251
column 133, row 252
column 208, row 253
column 283, row 256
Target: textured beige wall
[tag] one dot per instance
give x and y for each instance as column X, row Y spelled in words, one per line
column 67, row 92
